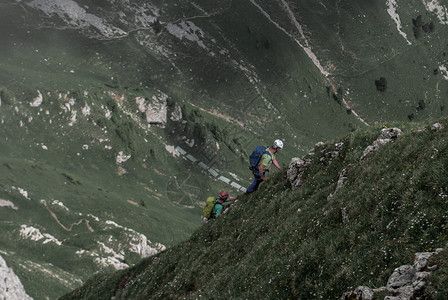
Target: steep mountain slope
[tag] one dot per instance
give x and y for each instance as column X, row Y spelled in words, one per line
column 348, row 215
column 118, row 118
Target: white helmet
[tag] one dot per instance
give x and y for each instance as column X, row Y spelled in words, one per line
column 278, row 144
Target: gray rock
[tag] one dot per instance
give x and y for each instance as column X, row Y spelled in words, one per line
column 420, row 282
column 341, row 181
column 316, row 146
column 386, row 136
column 333, row 153
column 436, row 126
column 421, row 260
column 360, row 293
column 400, row 297
column 295, row 171
column 390, row 133
column 402, row 276
column 10, row 286
column 406, row 281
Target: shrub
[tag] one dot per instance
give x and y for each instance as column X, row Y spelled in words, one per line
column 339, row 95
column 417, row 32
column 432, row 27
column 429, row 27
column 5, row 97
column 417, row 21
column 381, row 84
column 418, row 26
column 421, row 105
column 156, row 26
column 103, row 122
column 71, row 179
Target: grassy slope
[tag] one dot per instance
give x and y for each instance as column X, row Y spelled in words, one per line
column 283, row 243
column 278, row 71
column 86, row 181
column 366, row 45
column 53, row 61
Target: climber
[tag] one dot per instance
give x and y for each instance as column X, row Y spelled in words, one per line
column 214, row 207
column 219, row 208
column 263, row 165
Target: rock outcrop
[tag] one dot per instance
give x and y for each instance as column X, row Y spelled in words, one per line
column 404, row 284
column 297, row 167
column 154, row 109
column 341, row 181
column 436, row 126
column 386, row 136
column 329, row 155
column 10, row 286
column 360, row 293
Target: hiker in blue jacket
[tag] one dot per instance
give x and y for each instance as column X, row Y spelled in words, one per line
column 265, row 162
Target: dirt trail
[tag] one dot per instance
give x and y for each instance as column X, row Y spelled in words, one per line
column 62, row 225
column 219, row 115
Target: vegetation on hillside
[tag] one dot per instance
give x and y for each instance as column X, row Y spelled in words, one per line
column 239, row 72
column 284, row 243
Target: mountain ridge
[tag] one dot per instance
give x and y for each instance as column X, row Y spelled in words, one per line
column 319, row 239
column 98, row 99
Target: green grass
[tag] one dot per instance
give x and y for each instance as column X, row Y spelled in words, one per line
column 226, row 103
column 284, row 243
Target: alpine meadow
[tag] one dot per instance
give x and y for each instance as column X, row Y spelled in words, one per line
column 119, row 118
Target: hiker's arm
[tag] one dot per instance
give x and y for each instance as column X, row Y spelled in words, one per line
column 223, row 210
column 260, row 171
column 276, row 164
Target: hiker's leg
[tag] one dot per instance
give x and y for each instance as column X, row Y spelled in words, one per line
column 254, row 185
column 259, row 180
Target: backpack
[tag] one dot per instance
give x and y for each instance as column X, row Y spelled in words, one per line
column 213, row 214
column 256, row 155
column 208, row 208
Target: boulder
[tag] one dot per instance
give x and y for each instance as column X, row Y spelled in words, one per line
column 360, row 293
column 406, row 281
column 297, row 167
column 401, row 277
column 390, row 133
column 10, row 285
column 436, row 126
